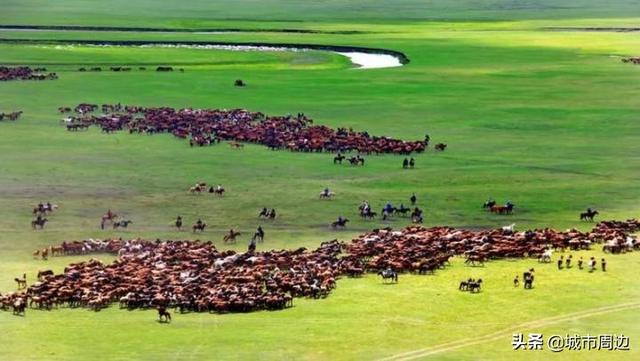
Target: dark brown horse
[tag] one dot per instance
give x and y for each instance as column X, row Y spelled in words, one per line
column 163, row 313
column 588, row 215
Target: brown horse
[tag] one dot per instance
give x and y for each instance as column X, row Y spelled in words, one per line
column 440, row 147
column 163, row 313
column 199, row 227
column 39, row 223
column 231, row 236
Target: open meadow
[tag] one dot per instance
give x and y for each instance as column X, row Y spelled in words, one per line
column 547, row 118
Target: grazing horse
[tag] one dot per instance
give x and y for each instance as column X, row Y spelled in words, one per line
column 389, row 275
column 39, row 223
column 588, row 215
column 338, row 159
column 341, row 222
column 231, row 236
column 219, row 191
column 440, row 147
column 163, row 313
column 123, row 224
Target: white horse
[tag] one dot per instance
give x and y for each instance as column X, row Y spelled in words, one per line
column 510, row 228
column 546, row 255
column 327, row 195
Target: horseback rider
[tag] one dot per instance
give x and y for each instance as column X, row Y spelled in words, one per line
column 413, row 199
column 509, row 204
column 388, row 207
column 260, row 232
column 412, row 162
column 272, row 214
column 219, row 187
column 199, row 223
column 405, row 163
column 326, row 192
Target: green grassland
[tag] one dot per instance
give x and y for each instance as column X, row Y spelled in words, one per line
column 547, row 119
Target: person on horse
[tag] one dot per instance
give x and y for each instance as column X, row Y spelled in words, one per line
column 260, row 232
column 272, row 214
column 326, row 192
column 199, row 223
column 427, row 138
column 49, row 207
column 405, row 163
column 388, row 207
column 219, row 187
column 413, row 199
column 509, row 204
column 412, row 162
column 109, row 214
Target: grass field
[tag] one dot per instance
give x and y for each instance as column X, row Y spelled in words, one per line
column 548, row 119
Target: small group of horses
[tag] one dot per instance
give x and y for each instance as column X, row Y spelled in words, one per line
column 25, row 73
column 408, row 163
column 632, row 60
column 492, row 206
column 353, row 160
column 201, row 187
column 267, row 213
column 13, row 116
column 40, row 211
column 115, row 220
column 472, row 285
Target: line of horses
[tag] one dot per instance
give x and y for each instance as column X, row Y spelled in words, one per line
column 208, row 126
column 25, row 73
column 632, row 60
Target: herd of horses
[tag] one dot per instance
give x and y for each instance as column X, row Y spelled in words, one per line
column 632, row 60
column 25, row 73
column 195, row 276
column 208, row 126
column 127, row 68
